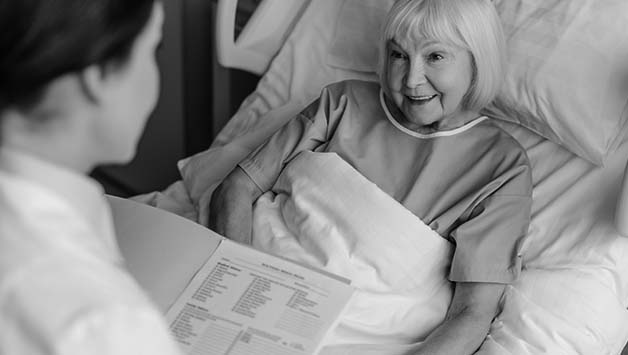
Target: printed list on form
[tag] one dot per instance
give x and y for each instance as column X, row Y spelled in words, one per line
column 243, row 301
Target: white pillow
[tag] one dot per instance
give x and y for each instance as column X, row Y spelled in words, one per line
column 355, row 44
column 568, row 72
column 537, row 318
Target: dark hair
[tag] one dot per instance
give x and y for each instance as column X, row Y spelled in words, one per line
column 41, row 40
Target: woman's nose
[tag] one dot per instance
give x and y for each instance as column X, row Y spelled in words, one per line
column 415, row 75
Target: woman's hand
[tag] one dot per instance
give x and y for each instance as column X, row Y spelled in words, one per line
column 472, row 309
column 231, row 206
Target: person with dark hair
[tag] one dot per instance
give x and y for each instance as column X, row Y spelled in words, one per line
column 78, row 80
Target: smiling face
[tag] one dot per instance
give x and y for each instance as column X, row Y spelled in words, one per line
column 427, row 81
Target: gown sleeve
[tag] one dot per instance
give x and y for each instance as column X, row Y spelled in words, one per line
column 308, row 130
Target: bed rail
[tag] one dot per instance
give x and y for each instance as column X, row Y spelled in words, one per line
column 262, row 36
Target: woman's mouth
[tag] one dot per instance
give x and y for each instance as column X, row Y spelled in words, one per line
column 420, row 99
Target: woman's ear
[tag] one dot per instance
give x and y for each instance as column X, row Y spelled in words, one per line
column 92, row 82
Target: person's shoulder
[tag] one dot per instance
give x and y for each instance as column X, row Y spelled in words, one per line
column 24, row 236
column 82, row 285
column 85, row 302
column 354, row 88
column 358, row 94
column 502, row 150
column 499, row 154
column 499, row 139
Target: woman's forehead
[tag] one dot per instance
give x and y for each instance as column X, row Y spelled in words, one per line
column 418, row 42
column 426, row 29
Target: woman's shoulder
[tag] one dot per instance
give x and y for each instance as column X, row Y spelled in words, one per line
column 354, row 87
column 346, row 93
column 98, row 301
column 494, row 136
column 490, row 148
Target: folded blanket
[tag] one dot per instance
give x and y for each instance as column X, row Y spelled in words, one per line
column 325, row 214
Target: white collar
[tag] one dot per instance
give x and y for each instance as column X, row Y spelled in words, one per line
column 451, row 132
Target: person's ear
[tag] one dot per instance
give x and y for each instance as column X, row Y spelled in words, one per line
column 93, row 82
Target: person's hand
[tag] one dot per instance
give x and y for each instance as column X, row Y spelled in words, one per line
column 231, row 207
column 472, row 309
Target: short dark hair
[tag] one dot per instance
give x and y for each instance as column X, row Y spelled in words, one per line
column 41, row 40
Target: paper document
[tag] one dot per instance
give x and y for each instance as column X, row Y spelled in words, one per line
column 244, row 301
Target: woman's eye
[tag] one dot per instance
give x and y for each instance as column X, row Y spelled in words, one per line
column 397, row 54
column 435, row 57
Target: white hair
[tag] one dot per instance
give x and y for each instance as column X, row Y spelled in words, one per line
column 469, row 24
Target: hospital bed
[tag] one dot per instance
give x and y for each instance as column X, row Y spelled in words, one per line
column 564, row 101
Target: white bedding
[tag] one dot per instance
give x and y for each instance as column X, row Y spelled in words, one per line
column 326, row 215
column 573, row 294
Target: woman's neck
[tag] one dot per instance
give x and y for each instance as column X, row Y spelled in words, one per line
column 451, row 122
column 50, row 141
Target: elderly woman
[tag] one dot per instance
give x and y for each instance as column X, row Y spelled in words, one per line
column 419, row 137
column 78, row 80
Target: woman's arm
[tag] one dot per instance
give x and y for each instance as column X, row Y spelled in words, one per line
column 472, row 309
column 231, row 206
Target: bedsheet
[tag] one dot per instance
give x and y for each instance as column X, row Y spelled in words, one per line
column 573, row 297
column 326, row 215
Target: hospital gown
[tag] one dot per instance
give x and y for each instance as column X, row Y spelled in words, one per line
column 471, row 184
column 63, row 285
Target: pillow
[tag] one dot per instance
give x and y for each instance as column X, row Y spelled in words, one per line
column 357, row 35
column 558, row 311
column 568, row 72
